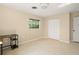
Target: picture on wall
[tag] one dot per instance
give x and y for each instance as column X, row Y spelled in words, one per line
column 33, row 23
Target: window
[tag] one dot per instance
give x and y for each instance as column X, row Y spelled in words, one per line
column 33, row 23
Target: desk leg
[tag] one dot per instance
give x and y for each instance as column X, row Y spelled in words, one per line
column 1, row 49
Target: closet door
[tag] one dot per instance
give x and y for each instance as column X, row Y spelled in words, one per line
column 54, row 29
column 76, row 29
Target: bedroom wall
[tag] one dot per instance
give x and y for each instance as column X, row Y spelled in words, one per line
column 13, row 21
column 64, row 26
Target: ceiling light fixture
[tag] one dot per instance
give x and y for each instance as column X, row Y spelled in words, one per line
column 44, row 5
column 64, row 4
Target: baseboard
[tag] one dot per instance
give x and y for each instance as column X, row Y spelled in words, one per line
column 59, row 40
column 39, row 39
column 29, row 41
column 64, row 41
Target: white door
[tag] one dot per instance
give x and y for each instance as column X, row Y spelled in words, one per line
column 53, row 29
column 76, row 29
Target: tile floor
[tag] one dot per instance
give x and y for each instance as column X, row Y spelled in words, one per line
column 45, row 47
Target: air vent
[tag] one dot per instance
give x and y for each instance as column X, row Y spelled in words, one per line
column 34, row 7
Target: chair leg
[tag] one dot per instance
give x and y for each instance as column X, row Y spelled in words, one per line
column 1, row 49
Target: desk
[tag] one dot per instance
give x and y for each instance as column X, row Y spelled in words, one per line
column 12, row 37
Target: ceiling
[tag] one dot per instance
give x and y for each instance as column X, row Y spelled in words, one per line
column 52, row 8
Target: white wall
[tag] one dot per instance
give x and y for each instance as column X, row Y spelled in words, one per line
column 64, row 26
column 12, row 21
